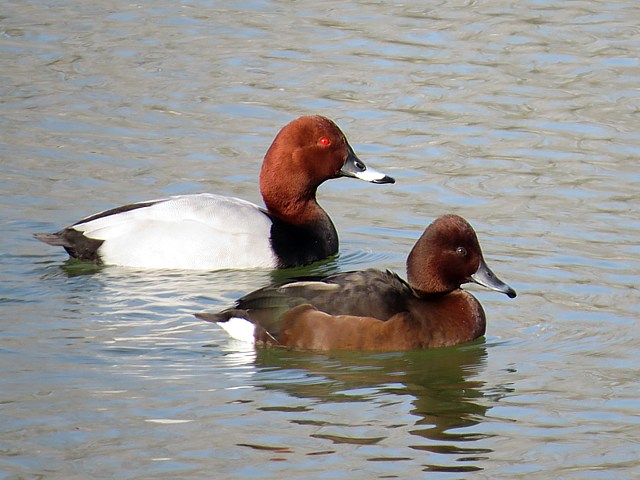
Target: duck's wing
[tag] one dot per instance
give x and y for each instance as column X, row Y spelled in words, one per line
column 370, row 293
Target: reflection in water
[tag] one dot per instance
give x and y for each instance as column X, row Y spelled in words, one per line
column 219, row 288
column 445, row 397
column 73, row 267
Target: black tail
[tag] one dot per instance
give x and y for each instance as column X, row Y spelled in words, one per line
column 53, row 239
column 221, row 316
column 74, row 242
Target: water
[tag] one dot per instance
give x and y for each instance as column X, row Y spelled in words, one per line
column 522, row 117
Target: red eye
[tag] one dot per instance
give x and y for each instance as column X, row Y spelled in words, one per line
column 324, row 141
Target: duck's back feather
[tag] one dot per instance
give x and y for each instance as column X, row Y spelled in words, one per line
column 370, row 293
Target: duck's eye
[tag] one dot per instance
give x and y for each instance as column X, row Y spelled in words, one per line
column 360, row 166
column 324, row 141
column 461, row 251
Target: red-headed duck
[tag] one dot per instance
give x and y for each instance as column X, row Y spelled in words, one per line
column 211, row 232
column 372, row 309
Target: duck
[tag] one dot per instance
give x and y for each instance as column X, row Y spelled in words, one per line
column 209, row 231
column 375, row 310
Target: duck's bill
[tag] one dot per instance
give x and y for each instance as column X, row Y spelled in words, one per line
column 485, row 277
column 356, row 168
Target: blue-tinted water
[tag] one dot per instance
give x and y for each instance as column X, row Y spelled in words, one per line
column 521, row 117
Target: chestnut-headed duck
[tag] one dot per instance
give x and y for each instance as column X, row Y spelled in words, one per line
column 212, row 232
column 373, row 309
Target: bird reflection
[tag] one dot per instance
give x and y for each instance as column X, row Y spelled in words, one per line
column 446, row 396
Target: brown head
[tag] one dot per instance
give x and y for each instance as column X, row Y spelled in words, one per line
column 305, row 153
column 447, row 255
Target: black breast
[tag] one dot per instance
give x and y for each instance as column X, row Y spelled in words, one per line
column 296, row 245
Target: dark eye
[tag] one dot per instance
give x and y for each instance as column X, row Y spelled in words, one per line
column 324, row 141
column 360, row 166
column 461, row 251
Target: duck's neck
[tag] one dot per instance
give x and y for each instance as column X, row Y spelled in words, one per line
column 291, row 200
column 429, row 296
column 295, row 211
column 302, row 232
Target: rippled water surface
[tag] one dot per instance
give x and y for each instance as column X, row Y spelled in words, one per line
column 521, row 116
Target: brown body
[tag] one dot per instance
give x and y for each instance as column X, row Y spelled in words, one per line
column 449, row 320
column 377, row 310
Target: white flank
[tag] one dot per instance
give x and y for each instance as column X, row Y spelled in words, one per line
column 314, row 285
column 240, row 329
column 201, row 232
